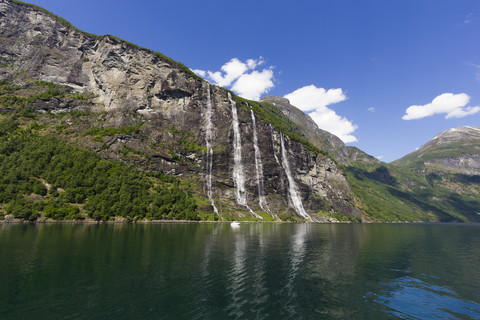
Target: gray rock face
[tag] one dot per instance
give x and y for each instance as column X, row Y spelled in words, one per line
column 133, row 85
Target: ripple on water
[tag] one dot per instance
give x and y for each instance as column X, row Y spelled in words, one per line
column 412, row 298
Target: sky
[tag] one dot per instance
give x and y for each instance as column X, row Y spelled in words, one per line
column 385, row 76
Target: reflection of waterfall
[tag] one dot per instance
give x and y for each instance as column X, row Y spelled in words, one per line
column 238, row 177
column 209, row 140
column 259, row 167
column 297, row 255
column 206, row 275
column 259, row 291
column 238, row 275
column 292, row 186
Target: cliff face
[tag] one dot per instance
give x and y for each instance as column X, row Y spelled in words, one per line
column 320, row 138
column 238, row 163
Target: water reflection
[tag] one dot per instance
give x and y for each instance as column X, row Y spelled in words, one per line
column 412, row 298
column 257, row 271
column 296, row 254
column 237, row 275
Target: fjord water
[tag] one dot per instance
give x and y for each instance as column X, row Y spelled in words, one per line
column 254, row 271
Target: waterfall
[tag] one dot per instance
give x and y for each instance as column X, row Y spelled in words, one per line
column 238, row 173
column 276, row 158
column 273, row 145
column 209, row 154
column 292, row 187
column 259, row 167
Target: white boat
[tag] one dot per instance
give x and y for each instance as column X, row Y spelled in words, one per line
column 235, row 224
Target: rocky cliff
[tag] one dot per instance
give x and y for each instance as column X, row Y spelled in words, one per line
column 320, row 138
column 241, row 158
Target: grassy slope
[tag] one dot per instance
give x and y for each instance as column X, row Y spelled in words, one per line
column 393, row 193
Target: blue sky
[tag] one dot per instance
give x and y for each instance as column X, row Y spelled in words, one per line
column 358, row 64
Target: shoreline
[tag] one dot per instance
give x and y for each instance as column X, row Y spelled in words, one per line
column 140, row 222
column 93, row 222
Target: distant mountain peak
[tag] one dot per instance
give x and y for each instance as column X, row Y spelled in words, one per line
column 455, row 149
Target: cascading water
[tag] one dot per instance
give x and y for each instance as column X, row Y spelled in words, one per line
column 273, row 145
column 238, row 177
column 259, row 168
column 276, row 158
column 209, row 154
column 292, row 186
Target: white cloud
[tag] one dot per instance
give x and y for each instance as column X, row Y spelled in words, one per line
column 231, row 70
column 309, row 98
column 371, row 109
column 453, row 105
column 242, row 77
column 379, row 157
column 315, row 101
column 200, row 73
column 253, row 85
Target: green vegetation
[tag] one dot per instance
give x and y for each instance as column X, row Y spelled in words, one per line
column 42, row 175
column 101, row 131
column 20, row 99
column 339, row 217
column 10, row 97
column 390, row 193
column 185, row 142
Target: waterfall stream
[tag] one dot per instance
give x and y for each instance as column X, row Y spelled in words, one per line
column 209, row 154
column 273, row 146
column 238, row 172
column 292, row 186
column 259, row 167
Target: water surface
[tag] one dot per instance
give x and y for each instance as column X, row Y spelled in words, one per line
column 255, row 271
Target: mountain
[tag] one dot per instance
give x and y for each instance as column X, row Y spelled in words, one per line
column 322, row 139
column 99, row 128
column 438, row 182
column 237, row 159
column 454, row 150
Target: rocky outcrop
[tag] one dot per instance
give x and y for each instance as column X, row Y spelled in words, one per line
column 135, row 87
column 322, row 139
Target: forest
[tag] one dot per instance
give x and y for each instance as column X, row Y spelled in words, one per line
column 45, row 177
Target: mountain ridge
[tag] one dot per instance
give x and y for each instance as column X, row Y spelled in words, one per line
column 457, row 148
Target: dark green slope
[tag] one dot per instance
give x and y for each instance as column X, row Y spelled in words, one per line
column 438, row 182
column 43, row 176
